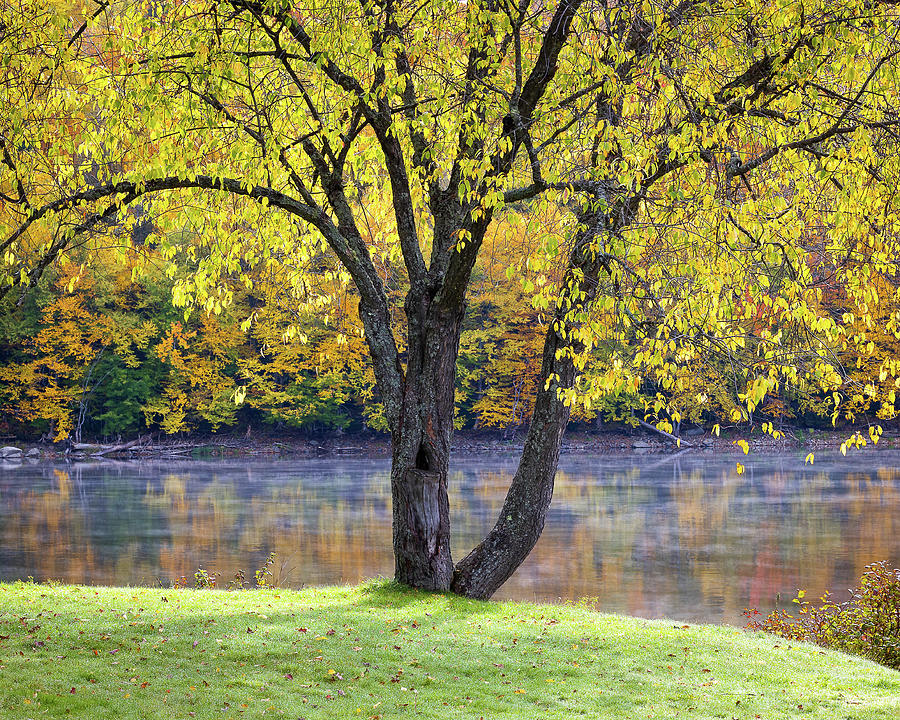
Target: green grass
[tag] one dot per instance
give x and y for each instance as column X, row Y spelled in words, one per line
column 378, row 651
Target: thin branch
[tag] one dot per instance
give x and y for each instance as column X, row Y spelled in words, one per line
column 132, row 189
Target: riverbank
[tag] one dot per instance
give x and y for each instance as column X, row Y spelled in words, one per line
column 370, row 444
column 378, row 652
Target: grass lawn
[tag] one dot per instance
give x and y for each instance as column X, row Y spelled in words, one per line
column 376, row 651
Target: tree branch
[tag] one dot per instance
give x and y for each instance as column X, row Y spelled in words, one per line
column 134, row 189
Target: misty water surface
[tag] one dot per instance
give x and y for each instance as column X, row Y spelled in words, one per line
column 653, row 536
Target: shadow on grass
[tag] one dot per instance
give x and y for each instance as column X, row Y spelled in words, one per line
column 391, row 594
column 380, row 594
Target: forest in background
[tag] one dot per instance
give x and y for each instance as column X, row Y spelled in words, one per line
column 106, row 349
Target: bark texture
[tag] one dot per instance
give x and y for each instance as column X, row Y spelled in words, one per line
column 422, row 529
column 421, row 445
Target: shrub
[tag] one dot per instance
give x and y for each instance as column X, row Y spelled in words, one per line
column 868, row 624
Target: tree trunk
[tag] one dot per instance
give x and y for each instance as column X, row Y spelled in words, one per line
column 421, row 440
column 521, row 521
column 421, row 448
column 518, row 528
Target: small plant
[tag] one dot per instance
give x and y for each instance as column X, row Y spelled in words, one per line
column 239, row 582
column 264, row 573
column 204, row 579
column 589, row 602
column 868, row 624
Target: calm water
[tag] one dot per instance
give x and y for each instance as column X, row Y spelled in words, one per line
column 686, row 538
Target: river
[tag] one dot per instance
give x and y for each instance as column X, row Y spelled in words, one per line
column 654, row 536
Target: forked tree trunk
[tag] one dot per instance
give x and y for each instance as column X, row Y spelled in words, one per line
column 421, row 445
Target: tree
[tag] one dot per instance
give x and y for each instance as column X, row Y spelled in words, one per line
column 87, row 363
column 716, row 164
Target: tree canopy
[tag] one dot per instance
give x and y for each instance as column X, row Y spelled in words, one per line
column 712, row 180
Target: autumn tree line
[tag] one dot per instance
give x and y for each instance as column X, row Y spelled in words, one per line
column 145, row 325
column 104, row 350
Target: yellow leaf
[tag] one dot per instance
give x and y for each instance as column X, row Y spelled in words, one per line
column 810, row 459
column 743, row 445
column 740, row 469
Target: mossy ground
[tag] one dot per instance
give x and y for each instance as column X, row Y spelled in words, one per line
column 379, row 651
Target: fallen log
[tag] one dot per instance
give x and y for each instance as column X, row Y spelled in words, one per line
column 677, row 440
column 115, row 448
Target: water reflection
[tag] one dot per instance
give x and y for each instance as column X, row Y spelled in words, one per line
column 685, row 537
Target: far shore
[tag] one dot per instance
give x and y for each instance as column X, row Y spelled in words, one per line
column 467, row 442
